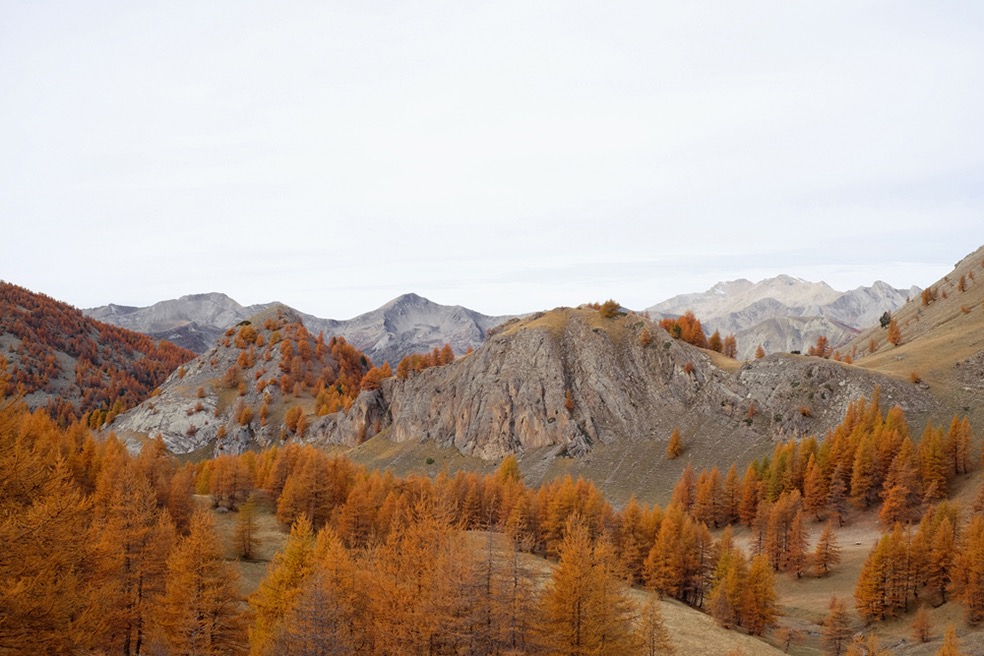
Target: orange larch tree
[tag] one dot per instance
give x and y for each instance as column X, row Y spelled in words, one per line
column 199, row 612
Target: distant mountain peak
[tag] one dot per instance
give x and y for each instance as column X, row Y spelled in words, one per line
column 784, row 312
column 208, row 296
column 406, row 324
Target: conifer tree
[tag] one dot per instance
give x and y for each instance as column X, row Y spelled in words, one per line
column 199, row 612
column 814, row 489
column 653, row 636
column 48, row 604
column 585, row 607
column 133, row 541
column 941, row 559
column 951, row 644
column 921, row 625
column 725, row 600
column 837, row 631
column 328, row 616
column 279, row 590
column 894, row 333
column 827, row 552
column 902, row 492
column 969, row 570
column 247, row 530
column 675, row 447
column 759, row 609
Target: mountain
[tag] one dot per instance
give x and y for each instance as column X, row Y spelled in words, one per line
column 251, row 388
column 410, row 324
column 54, row 357
column 785, row 313
column 570, row 379
column 407, row 324
column 194, row 321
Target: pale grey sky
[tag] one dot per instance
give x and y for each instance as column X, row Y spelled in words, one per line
column 506, row 156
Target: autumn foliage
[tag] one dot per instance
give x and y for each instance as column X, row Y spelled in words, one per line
column 417, row 362
column 81, row 366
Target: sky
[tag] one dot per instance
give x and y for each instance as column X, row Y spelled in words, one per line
column 505, row 156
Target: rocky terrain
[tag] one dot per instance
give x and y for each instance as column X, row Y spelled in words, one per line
column 194, row 321
column 239, row 392
column 570, row 379
column 785, row 313
column 562, row 383
column 407, row 324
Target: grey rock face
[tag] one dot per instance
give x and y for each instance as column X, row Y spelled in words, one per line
column 784, row 313
column 407, row 324
column 511, row 395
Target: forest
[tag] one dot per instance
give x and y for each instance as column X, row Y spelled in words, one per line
column 107, row 552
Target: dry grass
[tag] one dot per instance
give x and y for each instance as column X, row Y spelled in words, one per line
column 724, row 363
column 691, row 631
column 271, row 540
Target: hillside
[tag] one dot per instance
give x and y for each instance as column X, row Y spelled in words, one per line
column 785, row 313
column 54, row 357
column 239, row 392
column 942, row 340
column 407, row 324
column 626, row 394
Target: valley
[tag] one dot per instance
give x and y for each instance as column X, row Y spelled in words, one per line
column 579, row 403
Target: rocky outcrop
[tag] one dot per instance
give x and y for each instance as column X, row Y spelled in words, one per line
column 215, row 403
column 570, row 379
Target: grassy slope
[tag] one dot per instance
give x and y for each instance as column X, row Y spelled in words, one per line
column 692, row 632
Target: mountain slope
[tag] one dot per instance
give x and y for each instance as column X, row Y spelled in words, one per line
column 942, row 340
column 785, row 313
column 194, row 321
column 407, row 324
column 240, row 391
column 55, row 357
column 410, row 324
column 570, row 389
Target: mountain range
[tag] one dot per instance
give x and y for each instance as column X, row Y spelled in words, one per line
column 583, row 389
column 407, row 324
column 785, row 313
column 781, row 314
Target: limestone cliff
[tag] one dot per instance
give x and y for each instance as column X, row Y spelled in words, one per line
column 571, row 379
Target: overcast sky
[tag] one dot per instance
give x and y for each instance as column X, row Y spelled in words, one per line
column 506, row 156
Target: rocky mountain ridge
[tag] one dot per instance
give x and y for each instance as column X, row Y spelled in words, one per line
column 561, row 383
column 407, row 324
column 251, row 388
column 785, row 313
column 570, row 379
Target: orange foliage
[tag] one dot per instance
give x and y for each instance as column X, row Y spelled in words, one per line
column 111, row 366
column 417, row 362
column 687, row 328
